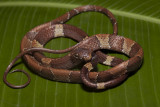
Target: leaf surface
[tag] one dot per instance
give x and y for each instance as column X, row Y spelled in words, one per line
column 137, row 20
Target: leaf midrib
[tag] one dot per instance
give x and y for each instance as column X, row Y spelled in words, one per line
column 71, row 6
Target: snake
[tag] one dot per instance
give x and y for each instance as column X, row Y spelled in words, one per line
column 40, row 35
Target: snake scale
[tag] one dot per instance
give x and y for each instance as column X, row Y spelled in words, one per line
column 87, row 50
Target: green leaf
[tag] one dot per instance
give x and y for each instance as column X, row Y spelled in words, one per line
column 137, row 20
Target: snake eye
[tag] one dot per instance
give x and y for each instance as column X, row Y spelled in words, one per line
column 76, row 56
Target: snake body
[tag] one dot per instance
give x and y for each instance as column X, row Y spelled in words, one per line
column 86, row 50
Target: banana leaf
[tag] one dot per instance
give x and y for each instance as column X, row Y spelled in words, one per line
column 137, row 20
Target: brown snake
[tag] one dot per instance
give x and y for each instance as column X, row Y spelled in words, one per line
column 34, row 41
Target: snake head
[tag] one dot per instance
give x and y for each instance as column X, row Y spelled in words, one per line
column 81, row 54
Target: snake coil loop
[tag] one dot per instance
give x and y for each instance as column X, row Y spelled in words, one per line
column 19, row 70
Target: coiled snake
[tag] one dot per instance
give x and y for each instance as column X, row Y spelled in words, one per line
column 85, row 51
